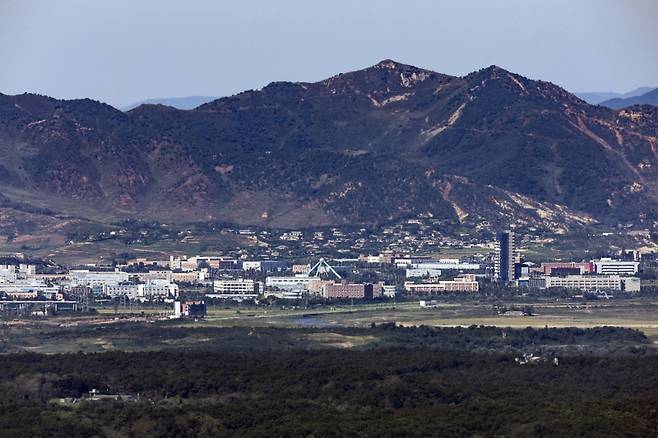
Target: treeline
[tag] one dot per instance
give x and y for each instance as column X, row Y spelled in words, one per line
column 329, row 392
column 467, row 338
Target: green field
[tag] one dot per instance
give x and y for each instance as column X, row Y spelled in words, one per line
column 114, row 328
column 640, row 314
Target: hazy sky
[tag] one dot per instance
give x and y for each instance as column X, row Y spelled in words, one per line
column 124, row 51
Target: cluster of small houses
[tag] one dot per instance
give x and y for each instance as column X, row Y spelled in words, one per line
column 160, row 280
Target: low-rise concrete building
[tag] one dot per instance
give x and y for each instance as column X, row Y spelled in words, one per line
column 151, row 290
column 416, row 272
column 446, row 264
column 465, row 283
column 158, row 289
column 163, row 274
column 86, row 277
column 554, row 267
column 26, row 289
column 289, row 283
column 587, row 282
column 130, row 290
column 189, row 309
column 607, row 266
column 239, row 288
column 301, row 269
column 188, row 277
column 343, row 289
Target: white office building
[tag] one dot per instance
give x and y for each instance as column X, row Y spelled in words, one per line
column 585, row 282
column 85, row 277
column 248, row 265
column 446, row 264
column 8, row 273
column 608, row 266
column 155, row 275
column 28, row 288
column 465, row 283
column 240, row 288
column 289, row 283
column 291, row 294
column 418, row 272
column 151, row 290
column 158, row 289
column 130, row 290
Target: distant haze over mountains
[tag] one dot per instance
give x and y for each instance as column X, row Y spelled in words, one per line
column 384, row 143
column 648, row 98
column 609, row 99
column 183, row 103
column 597, row 97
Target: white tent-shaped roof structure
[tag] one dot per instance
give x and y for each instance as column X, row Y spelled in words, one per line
column 323, row 269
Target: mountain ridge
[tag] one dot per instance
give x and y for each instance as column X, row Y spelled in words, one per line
column 182, row 103
column 368, row 146
column 648, row 98
column 597, row 97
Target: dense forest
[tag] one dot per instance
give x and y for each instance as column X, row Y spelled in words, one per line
column 416, row 388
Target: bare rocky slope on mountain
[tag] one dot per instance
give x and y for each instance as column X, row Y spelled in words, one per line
column 369, row 146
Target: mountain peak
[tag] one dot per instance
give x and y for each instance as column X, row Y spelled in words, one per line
column 492, row 72
column 387, row 77
column 387, row 64
column 397, row 67
column 498, row 75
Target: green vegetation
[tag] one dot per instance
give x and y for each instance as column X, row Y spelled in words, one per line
column 411, row 381
column 336, row 370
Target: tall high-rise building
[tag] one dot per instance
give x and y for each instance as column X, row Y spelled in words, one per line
column 505, row 257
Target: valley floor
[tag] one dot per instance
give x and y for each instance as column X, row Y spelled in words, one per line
column 36, row 334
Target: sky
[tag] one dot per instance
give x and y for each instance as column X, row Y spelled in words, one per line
column 124, row 51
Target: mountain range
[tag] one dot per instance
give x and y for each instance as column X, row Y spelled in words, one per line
column 648, row 98
column 184, row 103
column 598, row 97
column 391, row 141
